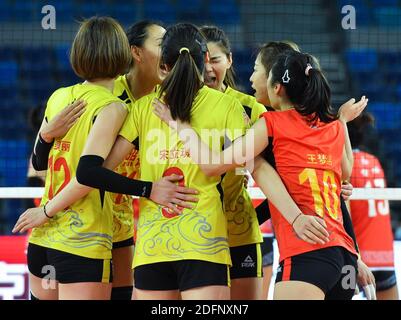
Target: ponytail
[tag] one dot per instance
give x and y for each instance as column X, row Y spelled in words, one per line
column 183, row 51
column 317, row 98
column 181, row 86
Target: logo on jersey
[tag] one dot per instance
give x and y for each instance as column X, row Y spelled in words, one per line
column 248, row 263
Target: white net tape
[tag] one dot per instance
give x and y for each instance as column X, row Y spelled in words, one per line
column 255, row 193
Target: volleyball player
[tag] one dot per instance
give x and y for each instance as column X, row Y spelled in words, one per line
column 266, row 58
column 77, row 243
column 244, row 236
column 182, row 253
column 371, row 218
column 144, row 38
column 312, row 154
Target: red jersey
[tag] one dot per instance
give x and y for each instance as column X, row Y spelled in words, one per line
column 371, row 218
column 308, row 160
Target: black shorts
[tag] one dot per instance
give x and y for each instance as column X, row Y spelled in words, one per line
column 67, row 267
column 122, row 244
column 180, row 275
column 385, row 279
column 267, row 251
column 334, row 270
column 247, row 262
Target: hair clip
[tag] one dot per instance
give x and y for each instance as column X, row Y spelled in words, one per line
column 308, row 67
column 286, row 78
column 184, row 49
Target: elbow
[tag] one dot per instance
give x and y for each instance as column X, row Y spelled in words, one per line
column 37, row 165
column 87, row 170
column 82, row 175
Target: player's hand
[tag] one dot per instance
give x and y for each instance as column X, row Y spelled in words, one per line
column 63, row 121
column 346, row 190
column 351, row 109
column 167, row 193
column 366, row 280
column 163, row 112
column 311, row 229
column 31, row 218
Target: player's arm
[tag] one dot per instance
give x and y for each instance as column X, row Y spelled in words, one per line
column 57, row 127
column 309, row 228
column 347, row 160
column 91, row 174
column 263, row 212
column 349, row 111
column 242, row 150
column 41, row 151
column 120, row 150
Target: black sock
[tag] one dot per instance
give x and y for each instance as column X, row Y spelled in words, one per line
column 121, row 293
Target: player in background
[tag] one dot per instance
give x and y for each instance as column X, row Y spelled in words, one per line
column 371, row 218
column 311, row 130
column 244, row 236
column 81, row 254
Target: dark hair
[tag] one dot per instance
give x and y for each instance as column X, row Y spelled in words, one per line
column 217, row 35
column 184, row 80
column 270, row 51
column 139, row 32
column 310, row 93
column 100, row 49
column 357, row 129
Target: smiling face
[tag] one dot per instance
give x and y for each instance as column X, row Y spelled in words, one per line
column 150, row 54
column 216, row 68
column 259, row 82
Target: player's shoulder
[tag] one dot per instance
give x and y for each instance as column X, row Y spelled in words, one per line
column 245, row 99
column 62, row 92
column 147, row 99
column 212, row 94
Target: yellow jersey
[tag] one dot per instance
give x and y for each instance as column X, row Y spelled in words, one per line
column 123, row 210
column 85, row 228
column 242, row 221
column 195, row 234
